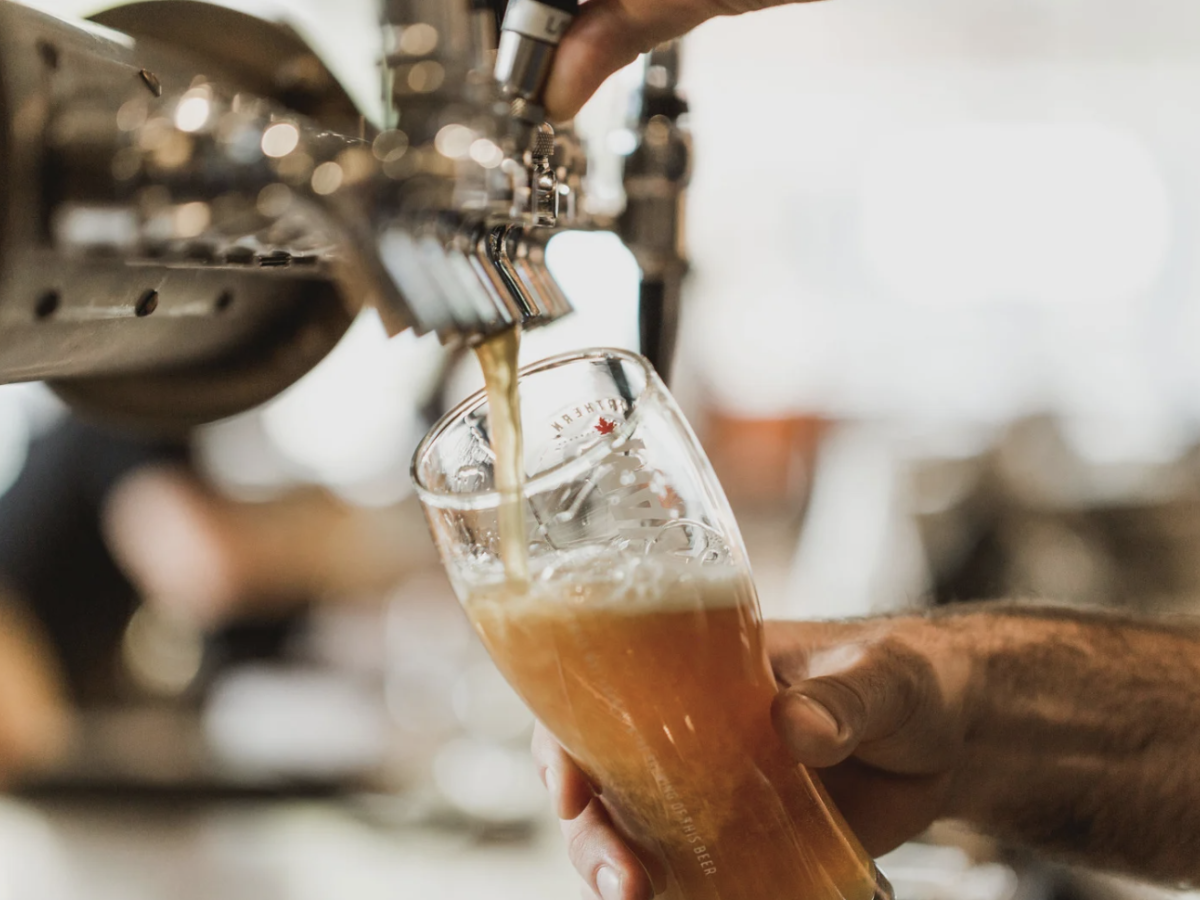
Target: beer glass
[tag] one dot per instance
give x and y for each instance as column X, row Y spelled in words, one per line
column 636, row 636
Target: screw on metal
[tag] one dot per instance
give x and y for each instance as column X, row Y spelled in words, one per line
column 146, row 304
column 151, row 81
column 47, row 305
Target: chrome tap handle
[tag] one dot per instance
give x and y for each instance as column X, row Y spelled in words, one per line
column 468, row 165
column 529, row 38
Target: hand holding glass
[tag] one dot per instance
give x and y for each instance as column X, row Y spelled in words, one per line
column 637, row 638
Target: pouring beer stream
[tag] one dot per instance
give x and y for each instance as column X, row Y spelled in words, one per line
column 498, row 358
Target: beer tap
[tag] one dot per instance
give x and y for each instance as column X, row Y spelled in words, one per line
column 656, row 177
column 201, row 176
column 475, row 181
column 529, row 37
column 194, row 210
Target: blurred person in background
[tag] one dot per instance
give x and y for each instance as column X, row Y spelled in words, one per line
column 65, row 601
column 98, row 523
column 1067, row 732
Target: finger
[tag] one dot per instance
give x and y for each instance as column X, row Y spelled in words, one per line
column 859, row 693
column 608, row 35
column 569, row 789
column 608, row 867
column 884, row 809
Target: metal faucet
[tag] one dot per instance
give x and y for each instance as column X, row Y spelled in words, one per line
column 427, row 217
column 193, row 210
column 460, row 225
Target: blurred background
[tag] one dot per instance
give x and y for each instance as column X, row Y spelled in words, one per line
column 939, row 341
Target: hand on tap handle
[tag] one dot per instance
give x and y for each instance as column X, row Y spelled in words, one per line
column 609, row 34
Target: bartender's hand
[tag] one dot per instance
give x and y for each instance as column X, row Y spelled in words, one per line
column 609, row 34
column 877, row 706
column 1072, row 733
column 1065, row 731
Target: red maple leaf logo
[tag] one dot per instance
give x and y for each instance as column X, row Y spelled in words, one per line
column 605, row 426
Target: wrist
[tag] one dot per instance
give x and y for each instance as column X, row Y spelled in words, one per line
column 958, row 646
column 995, row 652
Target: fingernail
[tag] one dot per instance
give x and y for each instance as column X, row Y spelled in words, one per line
column 552, row 783
column 608, row 883
column 820, row 711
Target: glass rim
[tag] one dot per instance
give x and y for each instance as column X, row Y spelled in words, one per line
column 490, row 497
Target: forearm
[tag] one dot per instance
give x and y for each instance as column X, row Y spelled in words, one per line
column 1082, row 736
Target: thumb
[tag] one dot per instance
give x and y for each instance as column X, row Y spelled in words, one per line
column 608, row 35
column 824, row 719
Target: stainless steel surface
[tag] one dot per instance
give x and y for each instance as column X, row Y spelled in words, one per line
column 528, row 38
column 523, row 64
column 473, row 178
column 65, row 314
column 194, row 209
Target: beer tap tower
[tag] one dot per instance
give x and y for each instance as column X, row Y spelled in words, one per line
column 192, row 210
column 656, row 179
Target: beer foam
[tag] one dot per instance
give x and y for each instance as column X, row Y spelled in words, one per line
column 617, row 583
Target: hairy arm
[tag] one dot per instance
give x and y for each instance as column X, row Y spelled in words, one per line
column 609, row 34
column 1071, row 733
column 1081, row 737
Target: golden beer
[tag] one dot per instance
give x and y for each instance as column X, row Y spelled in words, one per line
column 620, row 606
column 655, row 679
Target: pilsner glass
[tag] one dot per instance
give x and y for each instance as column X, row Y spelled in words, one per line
column 637, row 637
